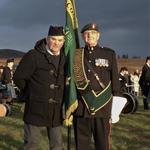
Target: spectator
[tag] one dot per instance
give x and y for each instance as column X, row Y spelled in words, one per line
column 1, row 71
column 145, row 83
column 6, row 79
column 135, row 80
column 123, row 80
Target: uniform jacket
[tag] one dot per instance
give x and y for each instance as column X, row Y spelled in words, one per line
column 103, row 61
column 44, row 84
column 145, row 80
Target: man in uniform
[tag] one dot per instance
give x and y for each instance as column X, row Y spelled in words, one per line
column 40, row 77
column 96, row 77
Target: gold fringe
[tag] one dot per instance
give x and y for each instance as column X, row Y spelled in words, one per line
column 71, row 109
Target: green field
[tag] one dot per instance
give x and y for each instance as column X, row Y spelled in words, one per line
column 132, row 132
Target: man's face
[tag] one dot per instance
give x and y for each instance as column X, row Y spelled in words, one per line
column 148, row 61
column 126, row 72
column 10, row 65
column 55, row 43
column 91, row 37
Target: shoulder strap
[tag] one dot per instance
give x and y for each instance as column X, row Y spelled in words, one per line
column 79, row 71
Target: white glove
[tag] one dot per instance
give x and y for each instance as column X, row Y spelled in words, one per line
column 118, row 104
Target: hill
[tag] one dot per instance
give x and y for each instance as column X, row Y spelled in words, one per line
column 10, row 53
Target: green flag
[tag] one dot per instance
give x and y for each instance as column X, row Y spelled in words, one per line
column 71, row 43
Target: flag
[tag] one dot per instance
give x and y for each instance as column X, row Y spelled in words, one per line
column 71, row 43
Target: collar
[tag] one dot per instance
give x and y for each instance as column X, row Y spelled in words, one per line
column 148, row 64
column 92, row 48
column 50, row 52
column 121, row 73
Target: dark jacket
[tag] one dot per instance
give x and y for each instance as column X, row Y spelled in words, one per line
column 38, row 76
column 123, row 83
column 96, row 57
column 6, row 76
column 145, row 80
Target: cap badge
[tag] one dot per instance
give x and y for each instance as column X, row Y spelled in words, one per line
column 93, row 26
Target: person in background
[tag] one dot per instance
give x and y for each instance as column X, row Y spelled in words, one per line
column 145, row 83
column 96, row 75
column 40, row 77
column 135, row 80
column 1, row 85
column 1, row 71
column 7, row 79
column 7, row 72
column 123, row 80
column 129, row 82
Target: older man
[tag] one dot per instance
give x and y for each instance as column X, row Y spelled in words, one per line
column 40, row 75
column 97, row 81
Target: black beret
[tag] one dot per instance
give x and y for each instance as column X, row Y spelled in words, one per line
column 10, row 60
column 56, row 31
column 148, row 58
column 91, row 26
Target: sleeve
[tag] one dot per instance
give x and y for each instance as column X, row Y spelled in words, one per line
column 24, row 70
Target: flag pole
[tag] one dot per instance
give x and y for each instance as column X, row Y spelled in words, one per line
column 69, row 138
column 71, row 43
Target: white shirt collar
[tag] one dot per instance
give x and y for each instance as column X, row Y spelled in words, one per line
column 50, row 52
column 148, row 64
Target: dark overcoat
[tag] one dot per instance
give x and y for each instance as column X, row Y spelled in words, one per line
column 145, row 80
column 103, row 61
column 44, row 84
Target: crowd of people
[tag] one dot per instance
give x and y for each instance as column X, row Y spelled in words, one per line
column 129, row 82
column 40, row 77
column 137, row 83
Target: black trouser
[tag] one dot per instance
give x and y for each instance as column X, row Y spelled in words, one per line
column 145, row 103
column 32, row 137
column 86, row 127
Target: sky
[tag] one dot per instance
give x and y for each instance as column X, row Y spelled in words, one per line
column 124, row 24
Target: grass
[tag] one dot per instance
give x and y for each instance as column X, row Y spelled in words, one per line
column 132, row 132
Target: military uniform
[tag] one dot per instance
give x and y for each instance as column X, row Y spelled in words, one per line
column 96, row 119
